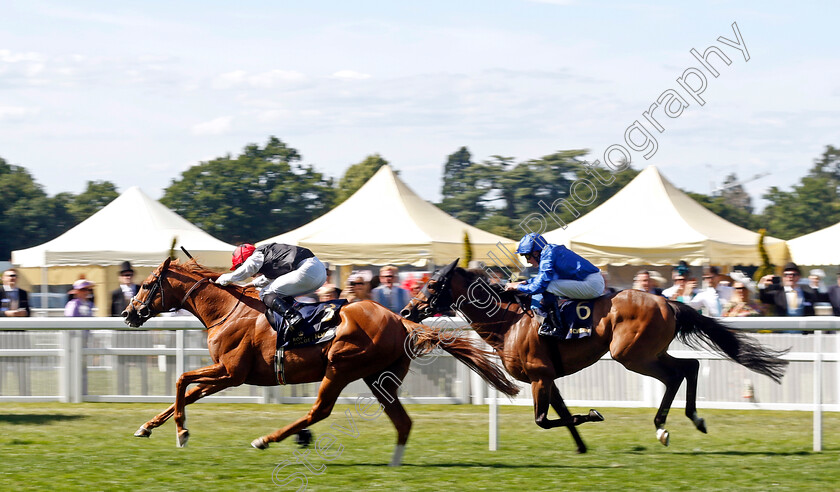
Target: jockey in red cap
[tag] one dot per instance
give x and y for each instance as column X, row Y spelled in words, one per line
column 281, row 272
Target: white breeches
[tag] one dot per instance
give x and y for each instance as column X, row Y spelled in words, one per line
column 589, row 288
column 310, row 275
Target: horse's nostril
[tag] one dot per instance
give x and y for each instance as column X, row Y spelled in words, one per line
column 405, row 313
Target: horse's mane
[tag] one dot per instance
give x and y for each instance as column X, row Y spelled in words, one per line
column 192, row 266
column 474, row 274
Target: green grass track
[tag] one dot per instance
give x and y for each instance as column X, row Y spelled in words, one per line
column 54, row 446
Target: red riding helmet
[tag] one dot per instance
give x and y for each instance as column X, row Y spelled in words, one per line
column 240, row 254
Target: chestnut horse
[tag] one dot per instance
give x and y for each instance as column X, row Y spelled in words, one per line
column 370, row 343
column 635, row 327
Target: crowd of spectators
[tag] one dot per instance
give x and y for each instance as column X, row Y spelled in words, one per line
column 736, row 294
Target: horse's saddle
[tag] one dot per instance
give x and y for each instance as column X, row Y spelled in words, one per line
column 319, row 322
column 572, row 319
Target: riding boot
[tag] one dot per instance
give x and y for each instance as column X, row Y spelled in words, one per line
column 286, row 309
column 548, row 306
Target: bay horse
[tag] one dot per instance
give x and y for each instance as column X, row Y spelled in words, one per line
column 370, row 343
column 635, row 327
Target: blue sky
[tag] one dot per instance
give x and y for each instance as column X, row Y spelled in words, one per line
column 137, row 92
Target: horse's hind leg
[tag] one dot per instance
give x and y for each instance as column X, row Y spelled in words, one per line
column 193, row 394
column 331, row 387
column 691, row 368
column 668, row 370
column 380, row 384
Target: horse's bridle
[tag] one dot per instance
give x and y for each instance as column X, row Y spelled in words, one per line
column 433, row 299
column 144, row 312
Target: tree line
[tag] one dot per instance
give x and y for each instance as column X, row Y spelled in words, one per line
column 267, row 190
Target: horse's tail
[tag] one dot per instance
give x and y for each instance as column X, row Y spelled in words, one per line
column 698, row 331
column 423, row 339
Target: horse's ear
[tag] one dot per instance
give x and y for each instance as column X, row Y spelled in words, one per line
column 452, row 265
column 165, row 265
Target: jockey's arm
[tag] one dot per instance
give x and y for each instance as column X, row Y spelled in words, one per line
column 246, row 270
column 540, row 282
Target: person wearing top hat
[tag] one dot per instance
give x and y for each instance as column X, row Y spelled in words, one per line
column 788, row 298
column 127, row 289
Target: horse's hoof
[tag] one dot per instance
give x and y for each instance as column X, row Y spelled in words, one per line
column 183, row 437
column 701, row 425
column 303, row 438
column 259, row 443
column 143, row 431
column 663, row 436
column 595, row 416
column 581, row 450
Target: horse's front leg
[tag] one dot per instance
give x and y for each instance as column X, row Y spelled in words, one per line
column 562, row 410
column 541, row 390
column 193, row 394
column 215, row 375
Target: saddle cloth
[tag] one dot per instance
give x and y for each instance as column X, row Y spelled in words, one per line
column 576, row 318
column 319, row 322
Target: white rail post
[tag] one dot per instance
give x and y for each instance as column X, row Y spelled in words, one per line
column 463, row 389
column 494, row 417
column 77, row 359
column 65, row 378
column 818, row 390
column 180, row 359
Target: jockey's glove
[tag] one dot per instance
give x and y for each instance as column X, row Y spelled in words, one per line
column 224, row 279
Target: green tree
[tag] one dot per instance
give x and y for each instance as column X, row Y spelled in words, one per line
column 260, row 193
column 719, row 205
column 357, row 175
column 28, row 217
column 463, row 189
column 734, row 195
column 467, row 256
column 97, row 194
column 811, row 205
column 766, row 267
column 498, row 194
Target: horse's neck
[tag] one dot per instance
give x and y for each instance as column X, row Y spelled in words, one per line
column 490, row 324
column 210, row 310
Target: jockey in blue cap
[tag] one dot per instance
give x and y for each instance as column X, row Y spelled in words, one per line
column 562, row 273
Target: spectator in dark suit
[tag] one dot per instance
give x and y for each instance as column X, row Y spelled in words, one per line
column 128, row 289
column 14, row 302
column 788, row 298
column 834, row 296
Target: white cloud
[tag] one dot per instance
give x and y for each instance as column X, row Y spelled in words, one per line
column 350, row 75
column 216, row 126
column 16, row 112
column 264, row 80
column 7, row 56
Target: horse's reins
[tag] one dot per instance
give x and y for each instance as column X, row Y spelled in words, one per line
column 158, row 285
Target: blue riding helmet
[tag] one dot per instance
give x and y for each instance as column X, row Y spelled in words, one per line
column 530, row 243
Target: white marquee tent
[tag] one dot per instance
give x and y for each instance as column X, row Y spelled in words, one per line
column 651, row 222
column 817, row 248
column 385, row 222
column 134, row 228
